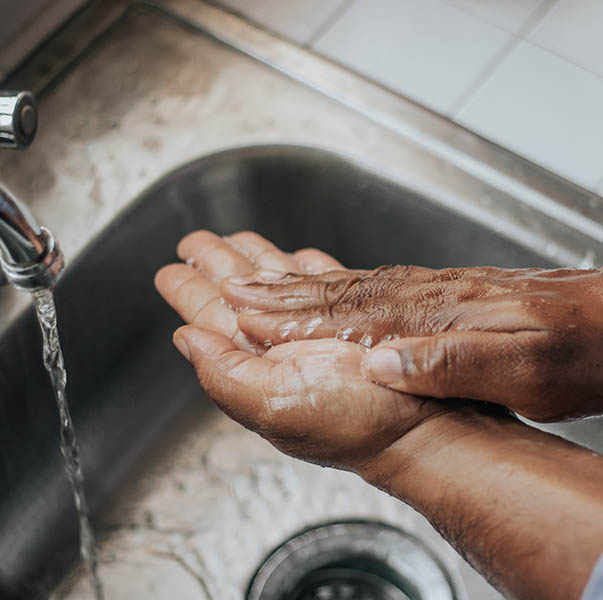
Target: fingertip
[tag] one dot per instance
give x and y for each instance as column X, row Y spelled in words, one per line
column 314, row 261
column 234, row 288
column 171, row 276
column 382, row 365
column 189, row 244
column 181, row 343
column 262, row 276
column 270, row 275
column 202, row 342
column 160, row 277
column 239, row 292
column 249, row 321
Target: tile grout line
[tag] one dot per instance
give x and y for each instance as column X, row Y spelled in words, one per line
column 329, row 22
column 484, row 75
column 499, row 58
column 472, row 14
column 569, row 61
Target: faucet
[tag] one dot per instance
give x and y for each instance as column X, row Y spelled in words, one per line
column 30, row 257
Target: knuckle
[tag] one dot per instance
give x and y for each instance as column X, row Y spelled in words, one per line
column 439, row 362
column 339, row 291
column 549, row 351
column 424, row 308
column 443, row 275
column 397, row 271
column 470, row 288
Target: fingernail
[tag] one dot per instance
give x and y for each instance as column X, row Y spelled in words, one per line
column 270, row 275
column 384, row 365
column 182, row 345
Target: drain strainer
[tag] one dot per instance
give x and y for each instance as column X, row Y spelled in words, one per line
column 355, row 560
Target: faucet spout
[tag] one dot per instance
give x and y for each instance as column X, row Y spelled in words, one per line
column 29, row 255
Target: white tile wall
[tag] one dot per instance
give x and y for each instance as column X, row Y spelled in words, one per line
column 527, row 74
column 544, row 108
column 299, row 21
column 573, row 29
column 510, row 15
column 426, row 49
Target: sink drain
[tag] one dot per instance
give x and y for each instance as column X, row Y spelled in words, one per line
column 355, row 560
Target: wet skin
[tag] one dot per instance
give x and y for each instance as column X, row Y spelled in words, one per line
column 530, row 339
column 524, row 507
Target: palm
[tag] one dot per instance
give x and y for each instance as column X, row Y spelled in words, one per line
column 320, row 407
column 308, row 398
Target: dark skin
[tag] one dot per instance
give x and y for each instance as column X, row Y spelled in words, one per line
column 529, row 339
column 524, row 507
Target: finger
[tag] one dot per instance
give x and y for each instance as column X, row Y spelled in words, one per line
column 268, row 291
column 511, row 312
column 262, row 253
column 273, row 328
column 197, row 300
column 241, row 384
column 212, row 256
column 493, row 367
column 313, row 261
column 458, row 273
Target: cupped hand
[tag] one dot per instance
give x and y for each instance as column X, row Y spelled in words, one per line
column 192, row 286
column 308, row 398
column 530, row 339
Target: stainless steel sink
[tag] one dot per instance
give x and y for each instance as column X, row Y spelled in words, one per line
column 125, row 380
column 187, row 503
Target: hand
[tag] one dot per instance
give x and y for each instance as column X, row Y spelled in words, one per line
column 526, row 512
column 308, row 398
column 529, row 339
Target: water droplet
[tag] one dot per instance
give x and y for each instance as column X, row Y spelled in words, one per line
column 222, row 301
column 344, row 334
column 311, row 325
column 190, row 262
column 267, row 344
column 387, row 338
column 286, row 329
column 366, row 341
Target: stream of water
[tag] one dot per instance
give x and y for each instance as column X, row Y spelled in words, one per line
column 53, row 361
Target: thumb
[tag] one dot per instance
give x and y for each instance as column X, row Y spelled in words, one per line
column 236, row 380
column 460, row 364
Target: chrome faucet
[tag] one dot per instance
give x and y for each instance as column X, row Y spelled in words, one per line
column 18, row 119
column 29, row 255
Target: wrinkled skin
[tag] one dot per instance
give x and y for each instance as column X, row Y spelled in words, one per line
column 523, row 506
column 529, row 339
column 308, row 398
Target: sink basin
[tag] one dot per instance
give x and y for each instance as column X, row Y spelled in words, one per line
column 128, row 386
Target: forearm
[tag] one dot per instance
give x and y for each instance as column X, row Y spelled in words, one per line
column 524, row 507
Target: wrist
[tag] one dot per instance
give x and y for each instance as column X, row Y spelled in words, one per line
column 436, row 447
column 498, row 490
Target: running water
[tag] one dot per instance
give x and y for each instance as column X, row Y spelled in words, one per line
column 53, row 361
